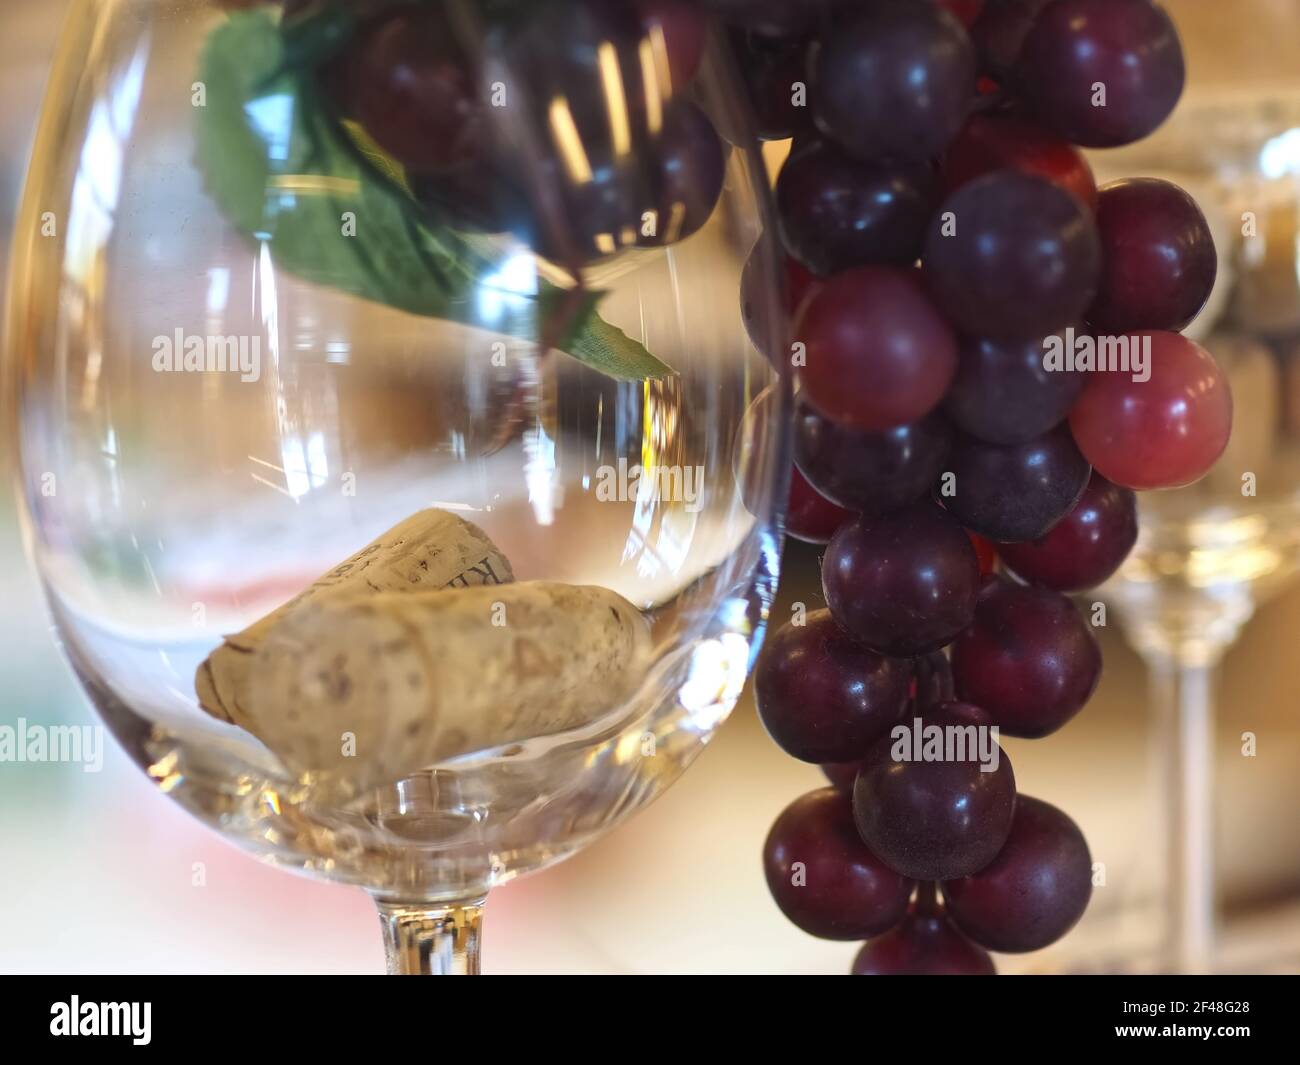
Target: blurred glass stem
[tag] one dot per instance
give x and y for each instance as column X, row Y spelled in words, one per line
column 1183, row 647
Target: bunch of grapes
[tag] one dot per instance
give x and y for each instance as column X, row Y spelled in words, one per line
column 944, row 236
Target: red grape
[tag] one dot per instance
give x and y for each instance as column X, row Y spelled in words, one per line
column 894, row 81
column 1030, row 660
column 1165, row 432
column 871, row 473
column 1078, row 48
column 1159, row 258
column 1003, row 394
column 878, row 354
column 684, row 32
column 838, row 212
column 810, row 516
column 821, row 695
column 925, row 944
column 903, row 583
column 1016, row 492
column 1006, row 142
column 1034, row 891
column 966, row 10
column 822, row 875
column 1012, row 256
column 1085, row 547
column 934, row 820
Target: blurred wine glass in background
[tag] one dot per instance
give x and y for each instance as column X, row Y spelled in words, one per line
column 1208, row 555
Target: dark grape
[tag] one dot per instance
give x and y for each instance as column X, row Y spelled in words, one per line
column 1013, row 257
column 416, row 93
column 894, row 81
column 810, row 516
column 772, row 72
column 1000, row 30
column 1159, row 258
column 1030, row 660
column 871, row 473
column 1003, row 394
column 821, row 695
column 838, row 212
column 988, row 143
column 1015, row 492
column 688, row 168
column 925, row 944
column 936, row 819
column 1034, row 891
column 903, row 583
column 878, row 354
column 1085, row 547
column 1164, row 432
column 1077, row 48
column 824, row 878
column 756, row 306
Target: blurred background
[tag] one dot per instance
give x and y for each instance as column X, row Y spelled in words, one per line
column 103, row 876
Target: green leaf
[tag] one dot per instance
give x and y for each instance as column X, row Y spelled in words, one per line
column 334, row 209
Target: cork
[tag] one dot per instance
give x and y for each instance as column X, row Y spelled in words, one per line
column 431, row 550
column 366, row 689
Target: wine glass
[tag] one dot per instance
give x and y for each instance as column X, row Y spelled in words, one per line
column 1208, row 555
column 290, row 281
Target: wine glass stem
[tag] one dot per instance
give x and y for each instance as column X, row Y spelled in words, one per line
column 422, row 940
column 1184, row 693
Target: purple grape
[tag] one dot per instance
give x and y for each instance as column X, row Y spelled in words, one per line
column 841, row 775
column 894, row 81
column 822, row 696
column 823, row 877
column 1160, row 262
column 1016, row 492
column 1029, row 660
column 838, row 212
column 1085, row 547
column 1003, row 394
column 1127, row 48
column 688, row 168
column 935, row 819
column 870, row 473
column 903, row 583
column 1034, row 891
column 1012, row 256
column 925, row 944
